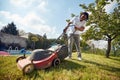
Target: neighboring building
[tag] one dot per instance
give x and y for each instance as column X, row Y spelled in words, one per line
column 100, row 44
column 26, row 35
column 9, row 39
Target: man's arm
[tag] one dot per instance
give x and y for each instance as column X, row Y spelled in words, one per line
column 80, row 28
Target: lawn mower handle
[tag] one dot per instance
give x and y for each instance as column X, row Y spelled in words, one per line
column 63, row 33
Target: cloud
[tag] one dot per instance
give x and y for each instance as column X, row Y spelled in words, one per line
column 21, row 3
column 30, row 23
column 35, row 4
column 33, row 18
column 111, row 6
column 1, row 25
column 42, row 6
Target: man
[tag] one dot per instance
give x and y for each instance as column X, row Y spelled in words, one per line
column 75, row 26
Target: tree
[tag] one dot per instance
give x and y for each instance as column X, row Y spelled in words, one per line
column 21, row 32
column 10, row 29
column 116, row 46
column 72, row 15
column 103, row 25
column 45, row 36
column 45, row 41
column 34, row 39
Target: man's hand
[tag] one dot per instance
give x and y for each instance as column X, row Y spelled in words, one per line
column 70, row 23
column 64, row 30
column 67, row 27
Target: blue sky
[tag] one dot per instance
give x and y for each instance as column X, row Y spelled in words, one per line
column 40, row 16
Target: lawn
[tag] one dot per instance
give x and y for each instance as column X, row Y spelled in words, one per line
column 92, row 67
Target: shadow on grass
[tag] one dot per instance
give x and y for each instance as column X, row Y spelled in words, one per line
column 115, row 59
column 72, row 65
column 105, row 67
column 68, row 65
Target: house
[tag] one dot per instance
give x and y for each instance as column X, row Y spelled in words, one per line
column 8, row 39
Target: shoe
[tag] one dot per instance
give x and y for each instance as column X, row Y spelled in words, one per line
column 68, row 57
column 79, row 58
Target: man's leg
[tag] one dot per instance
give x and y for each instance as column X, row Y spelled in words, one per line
column 70, row 45
column 77, row 44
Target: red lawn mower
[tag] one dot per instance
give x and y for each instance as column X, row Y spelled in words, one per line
column 41, row 59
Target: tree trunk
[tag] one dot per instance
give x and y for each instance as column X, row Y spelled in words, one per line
column 34, row 44
column 108, row 48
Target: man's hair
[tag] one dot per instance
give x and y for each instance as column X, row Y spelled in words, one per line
column 87, row 15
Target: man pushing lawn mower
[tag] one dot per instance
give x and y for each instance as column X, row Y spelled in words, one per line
column 74, row 27
column 41, row 59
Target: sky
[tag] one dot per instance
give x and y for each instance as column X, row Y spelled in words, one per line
column 41, row 16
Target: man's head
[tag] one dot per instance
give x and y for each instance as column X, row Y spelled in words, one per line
column 84, row 16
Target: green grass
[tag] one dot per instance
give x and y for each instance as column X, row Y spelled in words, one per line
column 92, row 67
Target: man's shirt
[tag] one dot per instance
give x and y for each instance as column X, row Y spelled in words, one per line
column 76, row 22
